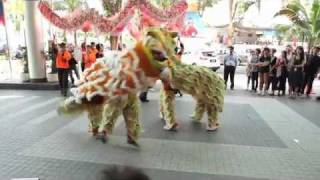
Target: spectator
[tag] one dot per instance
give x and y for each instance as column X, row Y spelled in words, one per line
column 84, row 52
column 53, row 51
column 179, row 55
column 100, row 50
column 264, row 69
column 93, row 50
column 254, row 69
column 125, row 173
column 230, row 64
column 248, row 73
column 124, row 47
column 119, row 47
column 296, row 72
column 62, row 63
column 281, row 73
column 73, row 66
column 311, row 69
column 290, row 52
column 93, row 46
column 273, row 72
column 90, row 57
column 179, row 50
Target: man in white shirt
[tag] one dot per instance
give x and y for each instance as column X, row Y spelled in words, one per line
column 230, row 64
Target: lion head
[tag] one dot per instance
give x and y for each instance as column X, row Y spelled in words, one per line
column 161, row 43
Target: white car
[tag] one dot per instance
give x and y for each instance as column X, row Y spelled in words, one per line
column 201, row 58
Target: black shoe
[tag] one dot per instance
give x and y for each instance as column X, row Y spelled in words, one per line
column 104, row 139
column 64, row 94
column 318, row 98
column 133, row 142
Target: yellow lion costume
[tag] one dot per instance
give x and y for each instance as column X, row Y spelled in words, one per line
column 205, row 86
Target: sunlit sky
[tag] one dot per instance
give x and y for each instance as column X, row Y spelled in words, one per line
column 218, row 15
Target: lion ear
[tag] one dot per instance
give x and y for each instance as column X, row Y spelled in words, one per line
column 152, row 32
column 174, row 34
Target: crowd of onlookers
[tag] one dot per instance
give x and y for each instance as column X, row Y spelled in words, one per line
column 67, row 61
column 293, row 70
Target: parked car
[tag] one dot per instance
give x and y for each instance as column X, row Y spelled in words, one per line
column 205, row 58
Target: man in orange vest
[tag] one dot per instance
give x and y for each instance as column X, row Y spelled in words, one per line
column 90, row 56
column 62, row 63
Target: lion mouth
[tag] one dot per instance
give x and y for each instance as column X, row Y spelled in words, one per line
column 159, row 55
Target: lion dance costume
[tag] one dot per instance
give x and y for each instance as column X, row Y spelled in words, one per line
column 205, row 86
column 110, row 88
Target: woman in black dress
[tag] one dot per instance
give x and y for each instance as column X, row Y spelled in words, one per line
column 296, row 71
column 281, row 73
column 100, row 49
column 273, row 73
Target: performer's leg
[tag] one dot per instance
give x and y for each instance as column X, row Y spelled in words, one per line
column 212, row 118
column 95, row 118
column 65, row 82
column 76, row 71
column 131, row 117
column 232, row 73
column 111, row 112
column 60, row 78
column 168, row 106
column 199, row 111
column 71, row 75
column 161, row 104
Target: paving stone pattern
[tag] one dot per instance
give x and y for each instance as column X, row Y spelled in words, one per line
column 260, row 139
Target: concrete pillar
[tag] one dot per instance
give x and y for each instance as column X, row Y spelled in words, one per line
column 35, row 45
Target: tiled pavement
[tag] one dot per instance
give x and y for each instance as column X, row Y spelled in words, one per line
column 260, row 138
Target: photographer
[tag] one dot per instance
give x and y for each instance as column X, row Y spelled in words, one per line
column 62, row 63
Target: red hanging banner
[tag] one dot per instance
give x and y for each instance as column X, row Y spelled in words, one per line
column 118, row 21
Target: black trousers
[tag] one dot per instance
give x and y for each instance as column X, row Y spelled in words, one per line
column 63, row 80
column 282, row 80
column 229, row 71
column 82, row 66
column 273, row 81
column 254, row 80
column 143, row 96
column 75, row 70
column 308, row 82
